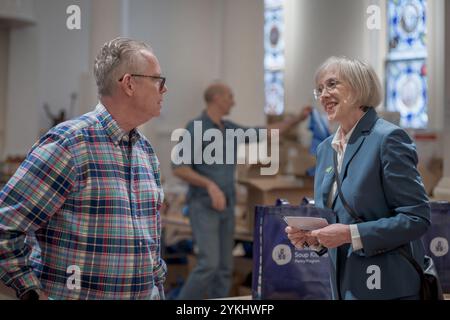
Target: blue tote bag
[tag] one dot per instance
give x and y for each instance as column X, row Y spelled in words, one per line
column 280, row 271
column 436, row 241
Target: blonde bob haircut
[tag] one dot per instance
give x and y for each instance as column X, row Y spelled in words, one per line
column 360, row 76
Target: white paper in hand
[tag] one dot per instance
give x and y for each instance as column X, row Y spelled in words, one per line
column 306, row 223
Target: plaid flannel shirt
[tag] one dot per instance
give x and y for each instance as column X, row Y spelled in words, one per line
column 86, row 198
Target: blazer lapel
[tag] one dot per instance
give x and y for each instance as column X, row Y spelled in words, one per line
column 350, row 152
column 327, row 183
column 356, row 140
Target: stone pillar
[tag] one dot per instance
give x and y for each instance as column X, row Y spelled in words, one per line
column 101, row 30
column 442, row 190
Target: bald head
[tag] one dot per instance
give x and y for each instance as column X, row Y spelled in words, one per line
column 218, row 96
column 213, row 90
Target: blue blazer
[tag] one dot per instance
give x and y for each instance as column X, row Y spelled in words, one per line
column 381, row 183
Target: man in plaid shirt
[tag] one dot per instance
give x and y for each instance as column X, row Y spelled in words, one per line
column 80, row 217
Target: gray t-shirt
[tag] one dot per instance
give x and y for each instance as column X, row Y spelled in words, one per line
column 221, row 173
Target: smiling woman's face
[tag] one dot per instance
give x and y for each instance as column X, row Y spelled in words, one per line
column 336, row 97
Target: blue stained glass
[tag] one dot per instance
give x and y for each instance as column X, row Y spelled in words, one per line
column 406, row 92
column 271, row 4
column 406, row 73
column 274, row 91
column 274, row 60
column 407, row 28
column 273, row 39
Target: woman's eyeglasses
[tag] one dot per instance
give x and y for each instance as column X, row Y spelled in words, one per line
column 330, row 85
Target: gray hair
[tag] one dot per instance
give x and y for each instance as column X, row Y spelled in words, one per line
column 117, row 57
column 360, row 76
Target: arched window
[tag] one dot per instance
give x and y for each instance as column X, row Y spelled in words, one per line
column 406, row 65
column 274, row 61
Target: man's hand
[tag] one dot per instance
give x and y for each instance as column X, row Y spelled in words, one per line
column 34, row 295
column 43, row 296
column 333, row 235
column 192, row 177
column 299, row 237
column 304, row 113
column 218, row 199
column 286, row 124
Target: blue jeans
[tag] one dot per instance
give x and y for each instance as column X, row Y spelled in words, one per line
column 213, row 233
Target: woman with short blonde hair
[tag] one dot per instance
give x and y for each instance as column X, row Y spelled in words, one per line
column 382, row 209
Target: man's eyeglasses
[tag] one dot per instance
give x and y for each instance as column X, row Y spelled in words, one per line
column 329, row 86
column 162, row 80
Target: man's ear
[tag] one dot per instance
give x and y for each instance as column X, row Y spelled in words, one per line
column 127, row 85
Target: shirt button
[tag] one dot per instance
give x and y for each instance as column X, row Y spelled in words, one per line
column 140, row 243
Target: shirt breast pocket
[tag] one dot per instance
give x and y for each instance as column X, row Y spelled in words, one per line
column 149, row 196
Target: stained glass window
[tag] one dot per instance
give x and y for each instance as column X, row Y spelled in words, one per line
column 406, row 68
column 274, row 87
column 406, row 89
column 274, row 61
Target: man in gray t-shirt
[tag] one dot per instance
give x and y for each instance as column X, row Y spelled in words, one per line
column 211, row 196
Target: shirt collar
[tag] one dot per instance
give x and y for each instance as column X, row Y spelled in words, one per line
column 205, row 117
column 340, row 140
column 112, row 127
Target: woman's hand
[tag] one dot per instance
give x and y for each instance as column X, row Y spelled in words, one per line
column 333, row 235
column 300, row 238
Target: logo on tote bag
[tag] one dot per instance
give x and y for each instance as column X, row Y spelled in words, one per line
column 439, row 246
column 282, row 254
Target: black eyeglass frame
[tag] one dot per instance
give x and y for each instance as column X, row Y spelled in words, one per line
column 161, row 84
